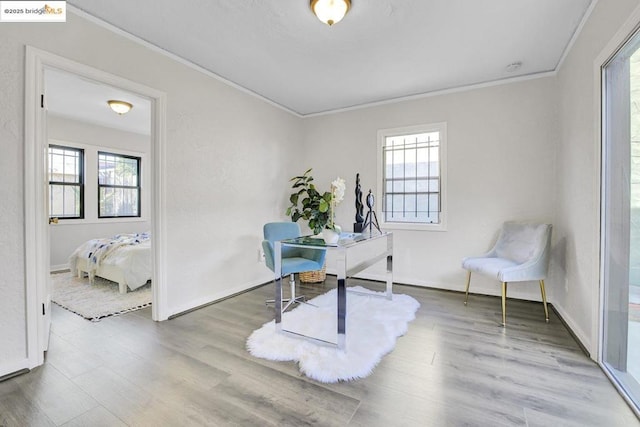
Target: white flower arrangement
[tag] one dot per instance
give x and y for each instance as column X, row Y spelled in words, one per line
column 338, row 187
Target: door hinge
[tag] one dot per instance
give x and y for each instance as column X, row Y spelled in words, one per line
column 43, row 312
column 42, row 101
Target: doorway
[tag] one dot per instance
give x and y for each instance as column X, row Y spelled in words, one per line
column 621, row 218
column 98, row 194
column 36, row 183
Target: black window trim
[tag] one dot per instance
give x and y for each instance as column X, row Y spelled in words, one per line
column 138, row 187
column 80, row 183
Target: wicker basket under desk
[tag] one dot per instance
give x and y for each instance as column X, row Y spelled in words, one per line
column 314, row 276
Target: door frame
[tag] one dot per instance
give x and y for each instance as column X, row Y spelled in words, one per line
column 624, row 33
column 37, row 256
column 620, row 38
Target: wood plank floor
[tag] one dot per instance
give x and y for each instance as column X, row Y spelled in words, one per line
column 456, row 366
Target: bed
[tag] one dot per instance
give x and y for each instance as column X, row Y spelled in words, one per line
column 124, row 259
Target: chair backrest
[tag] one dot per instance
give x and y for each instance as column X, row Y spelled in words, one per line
column 274, row 231
column 524, row 241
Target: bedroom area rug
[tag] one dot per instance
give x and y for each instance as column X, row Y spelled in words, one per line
column 97, row 301
column 373, row 325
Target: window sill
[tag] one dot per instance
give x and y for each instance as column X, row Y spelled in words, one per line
column 98, row 221
column 413, row 226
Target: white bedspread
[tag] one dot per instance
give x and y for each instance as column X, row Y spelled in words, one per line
column 130, row 253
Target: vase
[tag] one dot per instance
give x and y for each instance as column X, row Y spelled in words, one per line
column 331, row 236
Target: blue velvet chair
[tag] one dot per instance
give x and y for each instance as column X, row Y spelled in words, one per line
column 520, row 254
column 294, row 260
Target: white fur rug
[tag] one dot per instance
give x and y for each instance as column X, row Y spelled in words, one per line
column 373, row 324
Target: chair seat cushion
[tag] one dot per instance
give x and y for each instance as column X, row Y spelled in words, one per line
column 298, row 264
column 487, row 266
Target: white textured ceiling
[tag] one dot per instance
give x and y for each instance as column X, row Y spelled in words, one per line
column 70, row 96
column 383, row 49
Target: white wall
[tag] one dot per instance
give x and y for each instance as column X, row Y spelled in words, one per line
column 69, row 234
column 228, row 156
column 13, row 350
column 501, row 154
column 578, row 212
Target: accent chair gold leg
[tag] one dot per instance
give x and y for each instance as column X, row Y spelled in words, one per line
column 544, row 301
column 504, row 303
column 466, row 296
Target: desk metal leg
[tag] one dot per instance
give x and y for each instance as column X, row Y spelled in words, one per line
column 342, row 300
column 390, row 267
column 277, row 258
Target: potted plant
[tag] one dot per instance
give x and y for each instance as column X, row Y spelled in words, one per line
column 317, row 208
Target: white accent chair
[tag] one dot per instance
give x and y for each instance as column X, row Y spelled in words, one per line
column 520, row 254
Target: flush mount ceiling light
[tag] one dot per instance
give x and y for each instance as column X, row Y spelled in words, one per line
column 120, row 107
column 330, row 11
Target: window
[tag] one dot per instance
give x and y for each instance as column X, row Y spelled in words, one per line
column 412, row 177
column 66, row 182
column 118, row 185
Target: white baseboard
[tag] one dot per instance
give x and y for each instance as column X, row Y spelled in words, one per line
column 56, row 268
column 10, row 368
column 194, row 304
column 576, row 331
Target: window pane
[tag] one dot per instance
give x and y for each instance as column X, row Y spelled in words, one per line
column 106, row 169
column 421, row 161
column 434, row 164
column 64, row 201
column 118, row 202
column 410, row 204
column 434, row 185
column 422, row 186
column 434, row 202
column 397, row 203
column 65, row 165
column 117, row 170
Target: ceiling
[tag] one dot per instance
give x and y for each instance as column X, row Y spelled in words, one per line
column 71, row 96
column 382, row 49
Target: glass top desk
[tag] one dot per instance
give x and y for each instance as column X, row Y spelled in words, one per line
column 348, row 242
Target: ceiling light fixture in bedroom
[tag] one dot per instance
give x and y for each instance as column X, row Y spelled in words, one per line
column 120, row 107
column 330, row 11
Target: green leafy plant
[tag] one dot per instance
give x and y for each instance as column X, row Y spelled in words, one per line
column 309, row 204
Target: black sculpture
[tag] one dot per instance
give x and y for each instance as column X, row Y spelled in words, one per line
column 371, row 219
column 357, row 226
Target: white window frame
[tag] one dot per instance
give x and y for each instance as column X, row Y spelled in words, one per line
column 440, row 127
